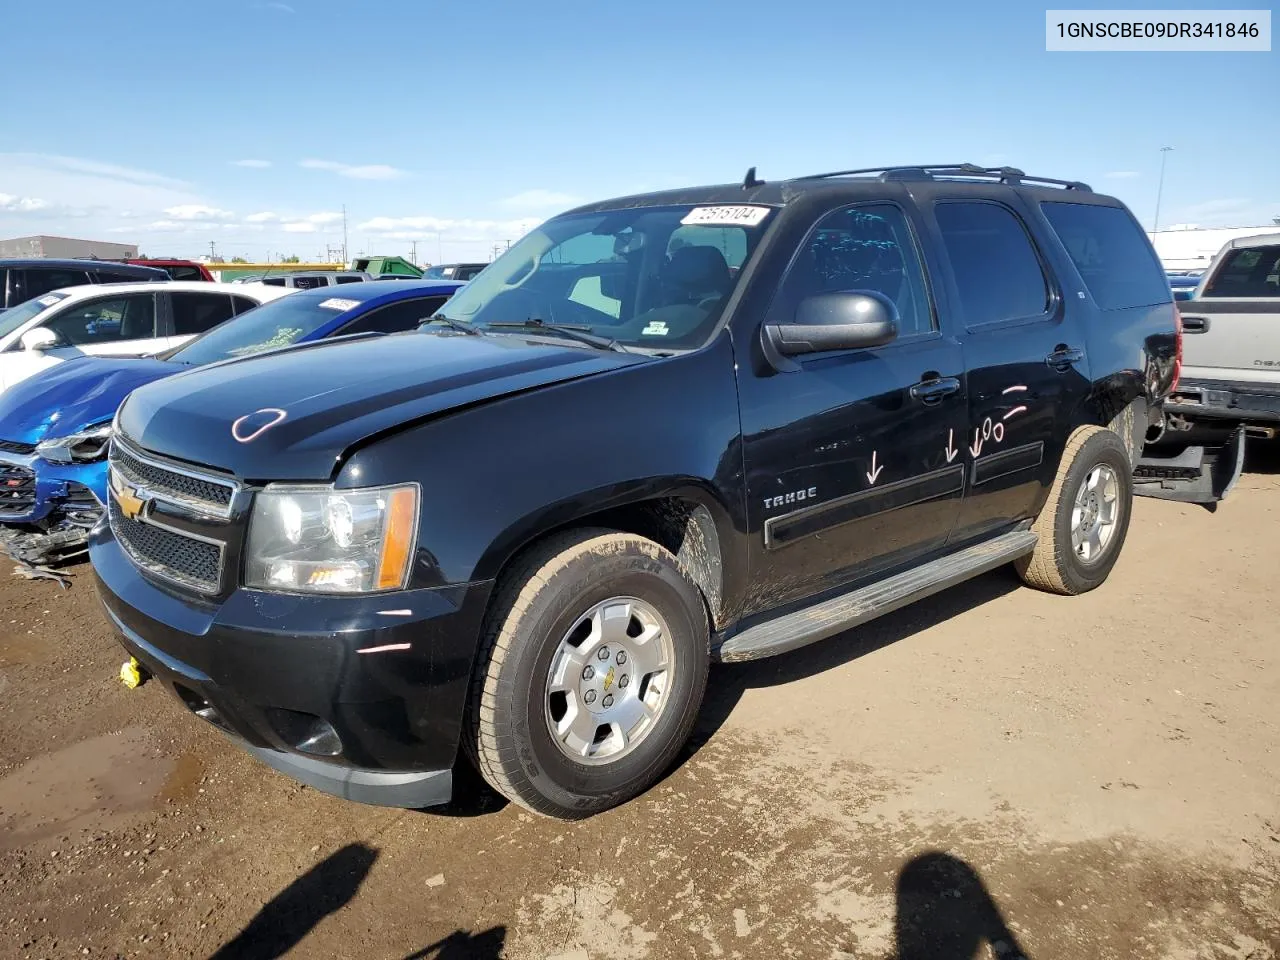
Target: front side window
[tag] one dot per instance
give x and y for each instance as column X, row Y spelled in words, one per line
column 1247, row 272
column 108, row 320
column 195, row 313
column 998, row 275
column 859, row 249
column 616, row 274
column 1114, row 257
column 279, row 323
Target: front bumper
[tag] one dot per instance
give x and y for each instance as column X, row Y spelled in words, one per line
column 360, row 697
column 1226, row 400
column 53, row 485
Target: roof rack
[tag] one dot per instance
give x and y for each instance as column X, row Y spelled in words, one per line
column 950, row 171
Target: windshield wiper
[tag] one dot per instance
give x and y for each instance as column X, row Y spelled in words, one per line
column 460, row 325
column 574, row 331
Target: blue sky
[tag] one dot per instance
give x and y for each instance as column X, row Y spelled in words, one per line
column 459, row 125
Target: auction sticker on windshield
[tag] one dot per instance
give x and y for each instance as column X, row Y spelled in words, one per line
column 48, row 301
column 338, row 303
column 736, row 216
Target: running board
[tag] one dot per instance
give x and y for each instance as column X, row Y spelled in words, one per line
column 830, row 617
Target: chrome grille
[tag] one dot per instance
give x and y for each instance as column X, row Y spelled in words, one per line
column 167, row 554
column 17, row 490
column 165, row 498
column 169, row 484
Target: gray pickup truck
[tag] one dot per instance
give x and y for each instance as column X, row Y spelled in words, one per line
column 1230, row 382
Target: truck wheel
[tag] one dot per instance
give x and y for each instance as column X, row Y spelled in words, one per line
column 1082, row 525
column 591, row 673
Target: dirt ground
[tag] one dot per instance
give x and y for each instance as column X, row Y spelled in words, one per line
column 993, row 772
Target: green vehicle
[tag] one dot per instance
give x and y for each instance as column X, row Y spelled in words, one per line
column 385, row 268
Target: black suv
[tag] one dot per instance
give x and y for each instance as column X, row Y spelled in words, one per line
column 713, row 423
column 23, row 280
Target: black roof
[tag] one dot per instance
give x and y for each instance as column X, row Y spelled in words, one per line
column 111, row 265
column 782, row 192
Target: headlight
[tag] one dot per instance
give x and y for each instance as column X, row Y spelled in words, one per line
column 83, row 447
column 322, row 540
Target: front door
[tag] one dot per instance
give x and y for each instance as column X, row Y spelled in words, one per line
column 853, row 461
column 1028, row 372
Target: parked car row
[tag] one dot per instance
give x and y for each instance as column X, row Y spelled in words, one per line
column 712, row 423
column 84, row 349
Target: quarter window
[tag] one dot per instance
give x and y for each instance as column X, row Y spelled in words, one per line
column 997, row 272
column 863, row 248
column 1113, row 256
column 395, row 317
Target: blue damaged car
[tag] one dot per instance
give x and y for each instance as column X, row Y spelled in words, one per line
column 55, row 426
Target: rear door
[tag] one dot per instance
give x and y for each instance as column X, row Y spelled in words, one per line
column 1231, row 330
column 1025, row 353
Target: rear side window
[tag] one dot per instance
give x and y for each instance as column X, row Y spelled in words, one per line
column 998, row 274
column 108, row 276
column 195, row 313
column 1114, row 257
column 395, row 317
column 347, row 279
column 243, row 304
column 273, row 281
column 184, row 273
column 1247, row 272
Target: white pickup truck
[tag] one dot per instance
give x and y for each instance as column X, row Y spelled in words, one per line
column 1230, row 383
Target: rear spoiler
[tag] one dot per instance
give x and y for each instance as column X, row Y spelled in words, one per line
column 1194, row 475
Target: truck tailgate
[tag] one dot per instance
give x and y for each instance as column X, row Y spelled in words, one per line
column 1229, row 339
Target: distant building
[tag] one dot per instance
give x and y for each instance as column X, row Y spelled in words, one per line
column 66, row 247
column 1188, row 247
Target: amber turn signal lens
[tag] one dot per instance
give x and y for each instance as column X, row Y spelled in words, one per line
column 397, row 541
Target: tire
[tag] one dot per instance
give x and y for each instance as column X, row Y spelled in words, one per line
column 1056, row 565
column 537, row 614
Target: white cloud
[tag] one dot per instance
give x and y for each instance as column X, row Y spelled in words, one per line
column 299, row 226
column 1122, row 175
column 311, row 223
column 94, row 168
column 196, row 211
column 282, row 7
column 252, row 164
column 266, row 216
column 541, row 200
column 370, row 171
column 11, row 204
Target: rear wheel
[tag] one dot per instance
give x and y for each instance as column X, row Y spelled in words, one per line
column 593, row 669
column 1083, row 524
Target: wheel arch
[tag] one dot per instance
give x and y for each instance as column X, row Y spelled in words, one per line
column 681, row 514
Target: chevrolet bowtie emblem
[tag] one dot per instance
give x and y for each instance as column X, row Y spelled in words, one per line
column 130, row 499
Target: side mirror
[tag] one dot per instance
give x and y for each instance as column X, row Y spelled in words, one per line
column 846, row 320
column 41, row 338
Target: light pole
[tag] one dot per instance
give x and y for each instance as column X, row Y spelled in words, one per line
column 1164, row 155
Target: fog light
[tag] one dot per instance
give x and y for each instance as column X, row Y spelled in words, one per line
column 306, row 732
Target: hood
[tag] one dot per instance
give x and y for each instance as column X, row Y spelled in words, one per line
column 291, row 415
column 70, row 396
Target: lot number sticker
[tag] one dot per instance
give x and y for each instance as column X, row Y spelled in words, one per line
column 337, row 303
column 739, row 216
column 656, row 328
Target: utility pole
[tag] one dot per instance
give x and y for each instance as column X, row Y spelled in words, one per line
column 413, row 256
column 213, row 256
column 1164, row 155
column 344, row 234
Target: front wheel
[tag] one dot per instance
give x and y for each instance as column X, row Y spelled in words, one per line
column 594, row 664
column 1083, row 523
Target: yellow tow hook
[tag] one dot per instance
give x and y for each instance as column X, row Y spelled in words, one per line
column 132, row 674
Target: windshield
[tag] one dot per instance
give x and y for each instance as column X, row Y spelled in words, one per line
column 276, row 324
column 656, row 278
column 11, row 320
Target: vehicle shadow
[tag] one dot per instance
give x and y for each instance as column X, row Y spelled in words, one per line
column 288, row 917
column 729, row 681
column 1262, row 456
column 462, row 945
column 945, row 912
